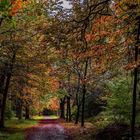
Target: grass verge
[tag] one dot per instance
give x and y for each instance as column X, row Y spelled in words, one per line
column 15, row 128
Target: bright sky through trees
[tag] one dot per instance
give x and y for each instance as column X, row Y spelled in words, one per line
column 66, row 4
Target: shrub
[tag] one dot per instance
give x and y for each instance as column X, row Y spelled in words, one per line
column 119, row 101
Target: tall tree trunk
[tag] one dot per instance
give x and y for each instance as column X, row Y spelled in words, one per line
column 2, row 80
column 68, row 115
column 83, row 106
column 67, row 111
column 69, row 106
column 27, row 112
column 5, row 93
column 135, row 85
column 84, row 93
column 77, row 100
column 3, row 107
column 62, row 108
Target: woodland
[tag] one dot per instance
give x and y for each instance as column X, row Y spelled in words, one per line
column 76, row 59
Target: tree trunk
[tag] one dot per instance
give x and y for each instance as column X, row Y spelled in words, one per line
column 77, row 100
column 2, row 80
column 3, row 107
column 69, row 106
column 135, row 86
column 62, row 108
column 67, row 111
column 84, row 93
column 5, row 92
column 68, row 116
column 27, row 112
column 83, row 106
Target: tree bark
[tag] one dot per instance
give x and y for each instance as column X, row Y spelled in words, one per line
column 62, row 108
column 5, row 92
column 77, row 100
column 135, row 85
column 2, row 79
column 68, row 115
column 67, row 111
column 69, row 106
column 27, row 112
column 84, row 93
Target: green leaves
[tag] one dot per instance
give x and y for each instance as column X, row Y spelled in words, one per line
column 119, row 101
column 4, row 5
column 61, row 93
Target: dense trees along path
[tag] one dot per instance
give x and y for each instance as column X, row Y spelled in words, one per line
column 48, row 129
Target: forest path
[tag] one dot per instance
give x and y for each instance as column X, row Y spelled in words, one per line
column 47, row 129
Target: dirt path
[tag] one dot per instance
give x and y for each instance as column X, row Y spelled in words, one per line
column 48, row 129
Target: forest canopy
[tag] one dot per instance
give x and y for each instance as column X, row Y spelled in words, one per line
column 77, row 59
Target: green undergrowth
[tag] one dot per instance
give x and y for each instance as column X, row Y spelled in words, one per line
column 15, row 128
column 7, row 136
column 21, row 124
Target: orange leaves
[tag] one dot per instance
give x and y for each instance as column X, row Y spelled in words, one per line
column 132, row 65
column 54, row 104
column 91, row 37
column 17, row 5
column 54, row 84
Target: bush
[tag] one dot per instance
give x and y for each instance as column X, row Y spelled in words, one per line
column 119, row 101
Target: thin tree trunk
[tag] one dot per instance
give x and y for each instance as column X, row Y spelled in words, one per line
column 77, row 100
column 83, row 106
column 67, row 110
column 27, row 112
column 135, row 86
column 68, row 116
column 4, row 101
column 2, row 79
column 84, row 93
column 5, row 93
column 62, row 108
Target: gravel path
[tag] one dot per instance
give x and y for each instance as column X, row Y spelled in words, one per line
column 48, row 129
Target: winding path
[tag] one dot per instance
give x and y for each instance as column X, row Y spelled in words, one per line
column 48, row 129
